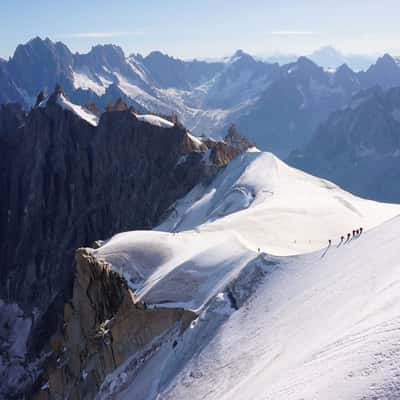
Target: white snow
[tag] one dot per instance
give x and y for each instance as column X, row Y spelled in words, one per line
column 257, row 203
column 296, row 325
column 176, row 270
column 155, row 120
column 317, row 328
column 137, row 68
column 274, row 207
column 84, row 79
column 194, row 139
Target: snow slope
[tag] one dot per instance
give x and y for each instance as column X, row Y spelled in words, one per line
column 319, row 325
column 324, row 325
column 274, row 207
column 316, row 328
column 257, row 203
column 155, row 120
column 176, row 270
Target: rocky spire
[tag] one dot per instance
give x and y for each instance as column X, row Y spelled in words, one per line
column 92, row 107
column 58, row 91
column 40, row 97
column 119, row 105
column 235, row 139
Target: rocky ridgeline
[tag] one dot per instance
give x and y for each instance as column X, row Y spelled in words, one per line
column 66, row 183
column 104, row 326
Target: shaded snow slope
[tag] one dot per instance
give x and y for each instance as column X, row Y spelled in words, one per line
column 274, row 207
column 317, row 328
column 176, row 270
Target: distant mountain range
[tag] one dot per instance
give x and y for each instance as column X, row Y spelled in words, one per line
column 359, row 147
column 288, row 112
column 278, row 107
column 328, row 57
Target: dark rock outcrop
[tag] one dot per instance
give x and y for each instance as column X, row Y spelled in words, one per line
column 66, row 183
column 235, row 139
column 104, row 326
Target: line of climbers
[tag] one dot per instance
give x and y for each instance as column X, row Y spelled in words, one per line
column 356, row 234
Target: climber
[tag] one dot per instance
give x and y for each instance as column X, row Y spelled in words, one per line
column 361, row 231
column 348, row 236
column 330, row 242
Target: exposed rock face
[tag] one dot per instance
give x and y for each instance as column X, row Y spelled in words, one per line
column 12, row 117
column 170, row 72
column 66, row 183
column 235, row 139
column 8, row 89
column 385, row 73
column 103, row 327
column 40, row 64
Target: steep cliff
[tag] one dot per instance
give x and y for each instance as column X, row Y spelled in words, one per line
column 68, row 182
column 104, row 326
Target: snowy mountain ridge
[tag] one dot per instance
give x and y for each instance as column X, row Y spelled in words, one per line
column 268, row 327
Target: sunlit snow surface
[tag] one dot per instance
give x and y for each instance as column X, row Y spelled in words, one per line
column 319, row 325
column 271, row 206
column 317, row 328
column 155, row 120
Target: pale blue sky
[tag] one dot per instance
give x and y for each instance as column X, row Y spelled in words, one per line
column 206, row 28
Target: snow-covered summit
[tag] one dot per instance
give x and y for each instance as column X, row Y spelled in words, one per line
column 256, row 204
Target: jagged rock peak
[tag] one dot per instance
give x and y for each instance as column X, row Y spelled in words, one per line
column 58, row 91
column 236, row 139
column 40, row 97
column 119, row 105
column 92, row 107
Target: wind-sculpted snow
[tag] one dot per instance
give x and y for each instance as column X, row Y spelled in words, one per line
column 176, row 270
column 273, row 207
column 318, row 325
